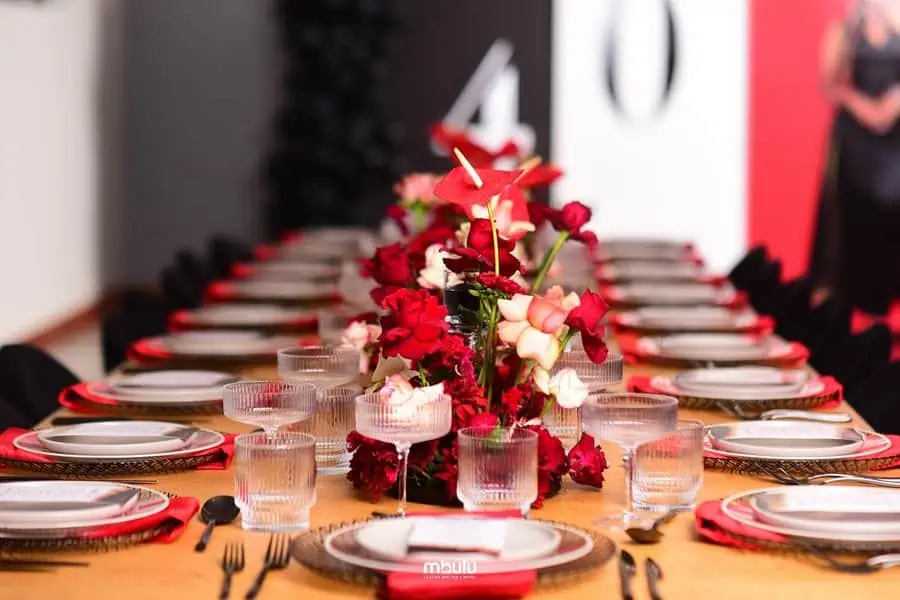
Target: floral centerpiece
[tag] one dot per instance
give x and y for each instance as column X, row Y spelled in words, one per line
column 496, row 368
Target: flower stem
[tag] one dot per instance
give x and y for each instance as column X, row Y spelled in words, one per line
column 547, row 406
column 548, row 260
column 494, row 236
column 489, row 347
column 422, row 376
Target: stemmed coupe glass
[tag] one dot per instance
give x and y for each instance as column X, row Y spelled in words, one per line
column 629, row 420
column 268, row 404
column 403, row 425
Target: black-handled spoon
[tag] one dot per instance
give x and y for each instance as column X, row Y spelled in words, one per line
column 218, row 510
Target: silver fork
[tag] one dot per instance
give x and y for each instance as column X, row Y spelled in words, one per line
column 232, row 562
column 277, row 557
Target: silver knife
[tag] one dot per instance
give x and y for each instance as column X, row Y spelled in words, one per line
column 627, row 568
column 654, row 576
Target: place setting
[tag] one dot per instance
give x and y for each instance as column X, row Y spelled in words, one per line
column 266, row 318
column 53, row 515
column 655, row 320
column 287, row 270
column 692, row 350
column 258, row 290
column 226, row 346
column 151, row 393
column 647, row 250
column 653, row 271
column 638, row 294
column 749, row 391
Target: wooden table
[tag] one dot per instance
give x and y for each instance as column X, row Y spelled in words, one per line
column 693, row 569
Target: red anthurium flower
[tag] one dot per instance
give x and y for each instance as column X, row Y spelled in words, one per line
column 479, row 252
column 587, row 462
column 458, row 188
column 542, row 174
column 586, row 318
column 415, row 325
column 510, row 210
column 449, row 137
column 389, row 266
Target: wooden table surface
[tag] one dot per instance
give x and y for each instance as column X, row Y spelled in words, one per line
column 692, row 568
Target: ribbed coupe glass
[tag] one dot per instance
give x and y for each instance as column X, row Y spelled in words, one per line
column 565, row 423
column 628, row 420
column 322, row 366
column 268, row 404
column 403, row 425
column 275, row 480
column 498, row 468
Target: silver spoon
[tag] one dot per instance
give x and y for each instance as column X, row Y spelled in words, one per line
column 652, row 534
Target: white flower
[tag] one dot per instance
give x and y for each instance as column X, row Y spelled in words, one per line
column 405, row 399
column 565, row 386
column 432, row 276
column 396, row 390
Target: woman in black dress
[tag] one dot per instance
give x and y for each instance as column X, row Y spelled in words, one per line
column 856, row 253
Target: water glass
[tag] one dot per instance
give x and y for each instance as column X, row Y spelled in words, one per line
column 628, row 420
column 565, row 423
column 268, row 404
column 330, row 425
column 322, row 366
column 497, row 472
column 275, row 480
column 668, row 472
column 403, row 425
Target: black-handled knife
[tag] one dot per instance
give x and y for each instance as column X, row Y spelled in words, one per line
column 627, row 569
column 654, row 576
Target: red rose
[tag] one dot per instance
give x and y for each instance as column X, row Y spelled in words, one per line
column 374, row 464
column 458, row 188
column 415, row 325
column 543, row 174
column 539, row 213
column 478, row 255
column 398, row 215
column 389, row 266
column 380, row 293
column 487, row 420
column 587, row 462
column 586, row 318
column 489, row 279
column 551, row 463
column 571, row 217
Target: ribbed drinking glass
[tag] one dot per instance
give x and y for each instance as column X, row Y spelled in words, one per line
column 322, row 366
column 334, row 418
column 275, row 480
column 668, row 472
column 403, row 425
column 628, row 420
column 565, row 423
column 498, row 469
column 268, row 404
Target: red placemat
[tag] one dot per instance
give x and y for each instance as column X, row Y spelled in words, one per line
column 415, row 586
column 224, row 452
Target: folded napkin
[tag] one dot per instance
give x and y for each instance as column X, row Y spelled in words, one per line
column 643, row 384
column 891, row 452
column 633, row 353
column 415, row 586
column 179, row 513
column 224, row 453
column 715, row 526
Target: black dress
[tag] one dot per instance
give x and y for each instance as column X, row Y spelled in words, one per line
column 856, row 250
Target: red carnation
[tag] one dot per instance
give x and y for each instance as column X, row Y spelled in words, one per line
column 587, row 462
column 415, row 325
column 571, row 217
column 458, row 188
column 374, row 464
column 389, row 266
column 503, row 284
column 587, row 318
column 478, row 255
column 398, row 215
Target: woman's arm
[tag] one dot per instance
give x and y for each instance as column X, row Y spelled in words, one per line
column 877, row 114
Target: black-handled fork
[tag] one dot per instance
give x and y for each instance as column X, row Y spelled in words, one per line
column 277, row 557
column 654, row 576
column 232, row 562
column 627, row 569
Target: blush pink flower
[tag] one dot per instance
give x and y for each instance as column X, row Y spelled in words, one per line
column 417, row 187
column 534, row 324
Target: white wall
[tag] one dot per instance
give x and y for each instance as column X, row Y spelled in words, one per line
column 680, row 174
column 49, row 165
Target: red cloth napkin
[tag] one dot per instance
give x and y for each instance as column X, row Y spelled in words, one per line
column 715, row 526
column 643, row 384
column 224, row 453
column 761, row 326
column 628, row 346
column 143, row 350
column 892, row 452
column 180, row 512
column 415, row 586
column 242, row 271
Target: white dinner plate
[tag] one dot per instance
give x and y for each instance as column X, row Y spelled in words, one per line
column 262, row 289
column 666, row 384
column 222, row 341
column 786, row 439
column 43, row 518
column 295, row 270
column 840, row 509
column 524, row 540
column 204, row 439
column 742, row 382
column 739, row 508
column 649, row 271
column 713, row 346
column 689, row 316
column 224, row 315
column 166, row 386
column 102, row 390
column 117, row 438
column 672, row 294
